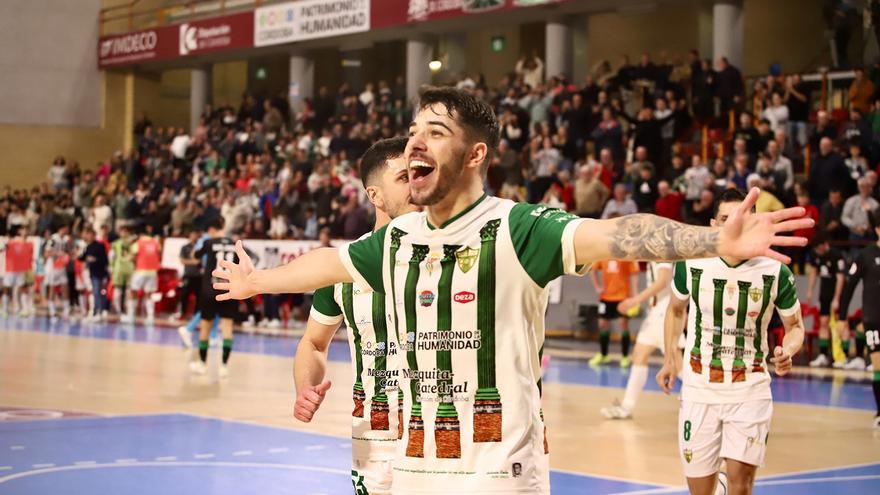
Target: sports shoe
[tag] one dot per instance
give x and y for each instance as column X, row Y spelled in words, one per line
column 198, row 367
column 185, row 337
column 625, row 362
column 599, row 360
column 274, row 324
column 223, row 371
column 250, row 323
column 821, row 361
column 721, row 486
column 126, row 319
column 877, row 421
column 615, row 411
column 150, row 320
column 839, row 365
column 856, row 363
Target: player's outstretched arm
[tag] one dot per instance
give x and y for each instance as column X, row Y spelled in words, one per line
column 651, row 238
column 310, row 368
column 313, row 270
column 791, row 343
column 673, row 325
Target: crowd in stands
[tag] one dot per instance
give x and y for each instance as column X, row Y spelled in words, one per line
column 625, row 140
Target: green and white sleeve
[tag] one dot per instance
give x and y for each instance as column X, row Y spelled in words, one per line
column 786, row 293
column 363, row 260
column 544, row 241
column 325, row 310
column 679, row 281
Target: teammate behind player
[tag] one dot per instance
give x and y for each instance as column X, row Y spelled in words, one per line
column 650, row 336
column 217, row 247
column 16, row 283
column 828, row 266
column 374, row 418
column 57, row 251
column 467, row 282
column 618, row 278
column 147, row 259
column 726, row 404
column 866, row 268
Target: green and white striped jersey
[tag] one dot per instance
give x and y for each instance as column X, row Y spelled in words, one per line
column 729, row 312
column 374, row 424
column 466, row 302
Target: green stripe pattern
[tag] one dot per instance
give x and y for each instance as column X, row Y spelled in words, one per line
column 758, row 364
column 419, row 253
column 742, row 310
column 446, row 409
column 486, row 387
column 348, row 308
column 696, row 353
column 718, row 317
column 381, row 330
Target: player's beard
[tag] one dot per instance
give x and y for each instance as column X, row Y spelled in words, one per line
column 447, row 177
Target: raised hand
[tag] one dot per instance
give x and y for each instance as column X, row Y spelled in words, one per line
column 234, row 279
column 747, row 235
column 308, row 400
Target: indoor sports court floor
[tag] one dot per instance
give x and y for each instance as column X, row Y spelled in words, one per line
column 105, row 408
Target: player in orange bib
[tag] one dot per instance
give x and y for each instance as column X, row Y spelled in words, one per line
column 617, row 282
column 18, row 278
column 147, row 260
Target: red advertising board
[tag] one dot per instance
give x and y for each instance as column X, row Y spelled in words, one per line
column 179, row 40
column 386, row 13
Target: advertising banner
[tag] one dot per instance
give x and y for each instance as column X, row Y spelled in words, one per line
column 309, row 19
column 137, row 47
column 216, row 34
column 270, row 253
column 386, row 13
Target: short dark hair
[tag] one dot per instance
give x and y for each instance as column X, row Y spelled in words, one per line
column 728, row 196
column 473, row 114
column 375, row 157
column 215, row 222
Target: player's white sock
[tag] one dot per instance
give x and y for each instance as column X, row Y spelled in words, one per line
column 117, row 301
column 150, row 307
column 27, row 302
column 65, row 307
column 130, row 307
column 4, row 302
column 51, row 308
column 17, row 305
column 638, row 376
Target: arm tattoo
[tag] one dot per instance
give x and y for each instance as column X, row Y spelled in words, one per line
column 652, row 238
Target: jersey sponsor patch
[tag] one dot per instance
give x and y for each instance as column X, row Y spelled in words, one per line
column 426, row 298
column 464, row 297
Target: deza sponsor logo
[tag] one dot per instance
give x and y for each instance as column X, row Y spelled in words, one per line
column 196, row 38
column 129, row 44
column 464, row 297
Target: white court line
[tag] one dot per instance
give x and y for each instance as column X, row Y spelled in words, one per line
column 84, row 463
column 16, row 447
column 5, row 468
column 800, row 481
column 166, row 458
column 204, row 456
column 122, row 461
column 243, row 452
column 264, row 465
column 315, row 447
column 612, row 478
column 43, row 466
column 820, row 470
column 278, row 450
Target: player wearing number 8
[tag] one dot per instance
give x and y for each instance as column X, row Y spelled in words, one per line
column 726, row 404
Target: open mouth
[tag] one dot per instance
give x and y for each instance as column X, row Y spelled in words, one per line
column 419, row 170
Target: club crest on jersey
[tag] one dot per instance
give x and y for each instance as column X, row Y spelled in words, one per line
column 688, row 455
column 755, row 293
column 729, row 311
column 426, row 298
column 464, row 297
column 467, row 258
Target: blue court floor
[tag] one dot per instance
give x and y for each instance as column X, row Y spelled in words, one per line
column 798, row 388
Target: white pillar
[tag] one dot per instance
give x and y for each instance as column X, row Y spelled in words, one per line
column 580, row 55
column 302, row 81
column 199, row 94
column 418, row 55
column 727, row 31
column 558, row 50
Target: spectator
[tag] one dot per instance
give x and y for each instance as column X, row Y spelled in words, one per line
column 609, row 135
column 95, row 256
column 669, row 202
column 741, row 171
column 861, row 91
column 589, row 191
column 825, row 128
column 797, row 97
column 855, row 214
column 766, row 202
column 782, row 165
column 531, row 69
column 57, row 174
column 776, row 113
column 620, row 204
column 830, row 217
column 645, row 188
column 827, row 170
column 697, row 178
column 730, row 88
column 701, row 212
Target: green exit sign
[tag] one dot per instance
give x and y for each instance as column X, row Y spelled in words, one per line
column 498, row 43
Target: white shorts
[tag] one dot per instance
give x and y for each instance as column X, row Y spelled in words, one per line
column 55, row 278
column 371, row 477
column 145, row 281
column 708, row 433
column 14, row 280
column 652, row 328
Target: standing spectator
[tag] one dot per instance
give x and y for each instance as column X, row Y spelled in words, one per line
column 730, row 88
column 645, row 188
column 857, row 167
column 776, row 113
column 589, row 191
column 741, row 171
column 826, row 171
column 544, row 165
column 95, row 256
column 697, row 179
column 825, row 128
column 620, row 204
column 669, row 202
column 855, row 214
column 830, row 215
column 531, row 69
column 861, row 91
column 101, row 217
column 797, row 97
column 608, row 135
column 703, row 89
column 57, row 174
column 782, row 165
